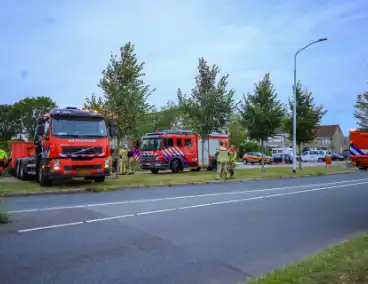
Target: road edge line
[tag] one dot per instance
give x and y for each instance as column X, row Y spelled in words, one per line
column 129, row 187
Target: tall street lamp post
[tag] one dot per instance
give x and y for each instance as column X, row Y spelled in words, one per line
column 294, row 110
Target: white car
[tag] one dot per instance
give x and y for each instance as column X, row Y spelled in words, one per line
column 314, row 156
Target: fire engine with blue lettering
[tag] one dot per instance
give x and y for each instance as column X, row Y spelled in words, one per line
column 177, row 150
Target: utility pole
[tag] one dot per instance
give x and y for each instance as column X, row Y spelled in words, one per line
column 294, row 108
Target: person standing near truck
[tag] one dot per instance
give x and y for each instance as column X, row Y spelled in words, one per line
column 232, row 162
column 222, row 161
column 130, row 156
column 3, row 155
column 3, row 158
column 123, row 159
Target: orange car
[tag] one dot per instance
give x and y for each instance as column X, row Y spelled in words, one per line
column 256, row 157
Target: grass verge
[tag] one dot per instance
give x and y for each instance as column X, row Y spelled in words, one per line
column 165, row 179
column 342, row 264
column 4, row 174
column 4, row 216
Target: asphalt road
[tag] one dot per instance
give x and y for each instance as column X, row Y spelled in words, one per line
column 220, row 233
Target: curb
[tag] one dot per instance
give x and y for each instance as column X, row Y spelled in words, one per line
column 84, row 190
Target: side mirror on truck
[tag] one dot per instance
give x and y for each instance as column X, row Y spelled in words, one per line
column 111, row 123
column 112, row 128
column 40, row 130
column 40, row 120
column 112, row 131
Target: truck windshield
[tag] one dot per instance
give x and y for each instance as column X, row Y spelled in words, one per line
column 78, row 127
column 150, row 144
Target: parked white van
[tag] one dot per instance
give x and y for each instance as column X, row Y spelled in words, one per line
column 278, row 151
column 314, row 156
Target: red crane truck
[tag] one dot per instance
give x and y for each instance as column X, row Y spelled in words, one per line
column 68, row 143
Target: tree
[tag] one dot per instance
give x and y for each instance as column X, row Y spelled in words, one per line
column 236, row 130
column 125, row 92
column 29, row 109
column 262, row 112
column 171, row 116
column 9, row 124
column 361, row 110
column 95, row 103
column 308, row 117
column 210, row 103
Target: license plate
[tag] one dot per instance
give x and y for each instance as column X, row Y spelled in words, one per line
column 148, row 164
column 83, row 172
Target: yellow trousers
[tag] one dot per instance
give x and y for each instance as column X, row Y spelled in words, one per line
column 130, row 164
column 222, row 170
column 123, row 166
column 232, row 169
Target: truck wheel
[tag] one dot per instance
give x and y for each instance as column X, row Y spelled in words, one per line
column 99, row 179
column 154, row 171
column 22, row 173
column 175, row 166
column 17, row 169
column 43, row 180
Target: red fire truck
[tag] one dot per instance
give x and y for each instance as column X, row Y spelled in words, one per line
column 177, row 150
column 68, row 143
column 359, row 148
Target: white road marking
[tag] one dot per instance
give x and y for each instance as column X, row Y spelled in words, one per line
column 155, row 211
column 49, row 227
column 194, row 206
column 271, row 195
column 110, row 218
column 179, row 197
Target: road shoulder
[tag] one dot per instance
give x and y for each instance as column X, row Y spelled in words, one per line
column 31, row 188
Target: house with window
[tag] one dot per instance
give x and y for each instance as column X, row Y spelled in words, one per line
column 331, row 137
column 327, row 137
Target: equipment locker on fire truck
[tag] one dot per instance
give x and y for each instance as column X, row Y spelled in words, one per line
column 177, row 150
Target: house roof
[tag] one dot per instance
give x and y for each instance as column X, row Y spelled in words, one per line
column 327, row 130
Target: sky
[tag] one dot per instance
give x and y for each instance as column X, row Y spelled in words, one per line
column 59, row 48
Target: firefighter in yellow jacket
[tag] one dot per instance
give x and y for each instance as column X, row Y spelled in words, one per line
column 3, row 155
column 232, row 162
column 222, row 161
column 123, row 160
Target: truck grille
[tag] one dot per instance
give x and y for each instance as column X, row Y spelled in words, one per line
column 82, row 150
column 148, row 158
column 82, row 167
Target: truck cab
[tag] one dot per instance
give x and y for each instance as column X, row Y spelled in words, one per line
column 164, row 150
column 70, row 143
